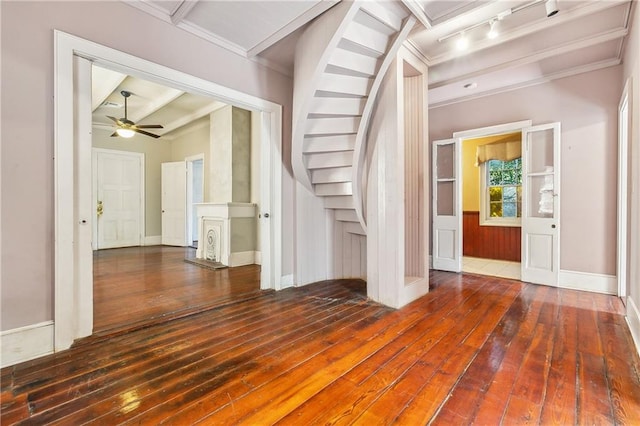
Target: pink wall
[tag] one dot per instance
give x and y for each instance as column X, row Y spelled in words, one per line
column 27, row 126
column 586, row 105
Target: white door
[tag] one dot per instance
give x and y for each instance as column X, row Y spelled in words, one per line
column 447, row 215
column 541, row 204
column 174, row 203
column 118, row 184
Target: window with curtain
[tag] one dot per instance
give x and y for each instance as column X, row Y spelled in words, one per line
column 501, row 183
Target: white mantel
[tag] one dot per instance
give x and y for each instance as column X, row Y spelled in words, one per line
column 221, row 223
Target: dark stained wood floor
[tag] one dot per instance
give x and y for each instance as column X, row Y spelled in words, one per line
column 474, row 350
column 138, row 286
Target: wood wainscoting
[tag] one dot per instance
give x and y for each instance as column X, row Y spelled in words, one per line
column 489, row 242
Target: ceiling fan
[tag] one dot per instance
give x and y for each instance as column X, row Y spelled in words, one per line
column 127, row 128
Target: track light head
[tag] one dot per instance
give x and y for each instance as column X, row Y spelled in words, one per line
column 551, row 7
column 493, row 30
column 462, row 43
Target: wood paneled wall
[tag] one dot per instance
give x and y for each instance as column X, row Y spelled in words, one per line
column 489, row 242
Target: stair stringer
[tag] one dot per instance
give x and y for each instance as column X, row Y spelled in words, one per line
column 360, row 149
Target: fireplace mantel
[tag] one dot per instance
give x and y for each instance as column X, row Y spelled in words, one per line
column 226, row 232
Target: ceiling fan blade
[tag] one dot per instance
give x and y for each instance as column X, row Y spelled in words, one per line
column 115, row 135
column 149, row 126
column 118, row 122
column 142, row 132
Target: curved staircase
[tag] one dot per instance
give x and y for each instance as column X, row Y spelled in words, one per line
column 341, row 60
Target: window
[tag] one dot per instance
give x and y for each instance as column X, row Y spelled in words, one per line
column 501, row 189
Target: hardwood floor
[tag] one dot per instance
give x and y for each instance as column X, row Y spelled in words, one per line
column 476, row 349
column 138, row 286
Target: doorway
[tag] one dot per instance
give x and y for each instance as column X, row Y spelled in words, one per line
column 540, row 198
column 74, row 207
column 195, row 195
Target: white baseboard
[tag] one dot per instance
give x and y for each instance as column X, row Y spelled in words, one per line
column 596, row 283
column 286, row 281
column 258, row 260
column 153, row 240
column 633, row 319
column 25, row 343
column 242, row 258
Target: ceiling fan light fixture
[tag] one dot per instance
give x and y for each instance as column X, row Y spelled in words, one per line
column 125, row 133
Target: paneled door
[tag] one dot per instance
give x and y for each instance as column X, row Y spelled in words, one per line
column 118, row 183
column 541, row 204
column 174, row 203
column 447, row 214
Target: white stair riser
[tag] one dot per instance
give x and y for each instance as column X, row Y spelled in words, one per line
column 346, row 216
column 329, row 160
column 367, row 37
column 329, row 189
column 338, row 174
column 382, row 14
column 337, row 106
column 345, row 84
column 353, row 228
column 329, row 143
column 361, row 63
column 323, row 126
column 344, row 202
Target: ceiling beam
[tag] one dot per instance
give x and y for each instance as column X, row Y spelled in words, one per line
column 183, row 9
column 416, row 9
column 537, row 56
column 189, row 117
column 311, row 13
column 159, row 101
column 108, row 82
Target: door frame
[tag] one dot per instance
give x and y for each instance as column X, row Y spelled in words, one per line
column 190, row 222
column 516, row 126
column 73, row 259
column 623, row 190
column 94, row 161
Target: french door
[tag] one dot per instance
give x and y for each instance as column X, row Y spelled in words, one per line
column 447, row 215
column 541, row 204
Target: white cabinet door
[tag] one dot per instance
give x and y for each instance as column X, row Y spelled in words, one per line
column 541, row 204
column 447, row 215
column 174, row 203
column 118, row 199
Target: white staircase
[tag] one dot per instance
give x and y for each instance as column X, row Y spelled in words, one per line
column 341, row 59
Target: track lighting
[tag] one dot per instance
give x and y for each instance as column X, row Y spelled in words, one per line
column 493, row 31
column 463, row 42
column 551, row 7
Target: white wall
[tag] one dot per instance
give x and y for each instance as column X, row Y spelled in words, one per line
column 631, row 69
column 27, row 126
column 586, row 105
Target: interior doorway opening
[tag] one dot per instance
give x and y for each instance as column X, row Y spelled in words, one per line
column 492, row 205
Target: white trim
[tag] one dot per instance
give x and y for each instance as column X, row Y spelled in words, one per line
column 242, row 258
column 286, row 281
column 512, row 127
column 72, row 302
column 25, row 343
column 623, row 187
column 153, row 240
column 258, row 257
column 189, row 160
column 586, row 281
column 633, row 320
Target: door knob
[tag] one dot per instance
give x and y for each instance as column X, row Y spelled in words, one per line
column 99, row 208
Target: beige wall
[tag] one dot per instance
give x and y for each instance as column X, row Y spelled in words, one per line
column 470, row 176
column 27, row 56
column 632, row 70
column 586, row 105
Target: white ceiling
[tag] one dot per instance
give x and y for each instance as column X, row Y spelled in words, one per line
column 531, row 48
